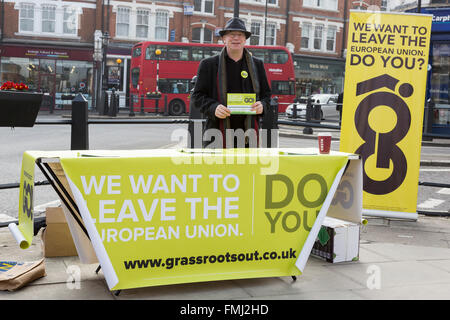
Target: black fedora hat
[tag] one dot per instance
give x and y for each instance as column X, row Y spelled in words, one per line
column 235, row 24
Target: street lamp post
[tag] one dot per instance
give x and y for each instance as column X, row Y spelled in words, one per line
column 158, row 53
column 265, row 25
column 98, row 65
column 105, row 41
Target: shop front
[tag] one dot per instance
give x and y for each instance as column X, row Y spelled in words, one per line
column 60, row 73
column 439, row 75
column 318, row 75
column 117, row 70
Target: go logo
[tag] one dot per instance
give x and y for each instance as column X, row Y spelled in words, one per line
column 249, row 100
column 386, row 150
column 344, row 195
column 27, row 201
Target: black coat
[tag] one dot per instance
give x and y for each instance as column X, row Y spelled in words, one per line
column 210, row 90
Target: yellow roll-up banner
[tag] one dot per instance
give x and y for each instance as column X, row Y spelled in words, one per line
column 384, row 96
column 23, row 233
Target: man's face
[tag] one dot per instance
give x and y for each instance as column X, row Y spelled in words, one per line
column 234, row 40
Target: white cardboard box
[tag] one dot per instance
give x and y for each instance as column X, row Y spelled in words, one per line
column 338, row 241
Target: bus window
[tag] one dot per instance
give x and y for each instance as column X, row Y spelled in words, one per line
column 261, row 54
column 137, row 51
column 208, row 52
column 215, row 51
column 151, row 55
column 178, row 53
column 197, row 54
column 283, row 87
column 280, row 57
column 181, row 86
column 164, row 86
column 173, row 85
column 134, row 77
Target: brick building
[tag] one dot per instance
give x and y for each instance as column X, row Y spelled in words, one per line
column 50, row 43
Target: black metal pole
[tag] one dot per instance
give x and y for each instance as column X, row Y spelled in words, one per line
column 107, row 18
column 419, row 6
column 3, row 21
column 265, row 25
column 236, row 9
column 142, row 105
column 344, row 30
column 131, row 103
column 79, row 132
column 103, row 16
column 286, row 37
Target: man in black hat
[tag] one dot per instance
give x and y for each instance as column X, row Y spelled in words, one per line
column 234, row 70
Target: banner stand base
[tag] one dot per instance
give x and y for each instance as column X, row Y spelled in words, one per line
column 390, row 214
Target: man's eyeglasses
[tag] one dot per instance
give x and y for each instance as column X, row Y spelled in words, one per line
column 236, row 35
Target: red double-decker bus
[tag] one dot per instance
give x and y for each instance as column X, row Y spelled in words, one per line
column 177, row 64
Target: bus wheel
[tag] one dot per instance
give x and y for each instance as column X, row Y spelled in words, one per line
column 176, row 107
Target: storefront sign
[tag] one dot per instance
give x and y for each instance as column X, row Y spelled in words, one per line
column 188, row 10
column 158, row 217
column 384, row 96
column 318, row 66
column 47, row 53
column 441, row 19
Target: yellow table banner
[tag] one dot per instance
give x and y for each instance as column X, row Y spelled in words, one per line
column 384, row 96
column 159, row 217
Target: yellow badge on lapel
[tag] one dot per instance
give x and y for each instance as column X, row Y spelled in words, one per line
column 244, row 74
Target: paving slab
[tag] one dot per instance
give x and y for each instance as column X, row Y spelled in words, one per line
column 211, row 290
column 405, row 272
column 435, row 291
column 88, row 290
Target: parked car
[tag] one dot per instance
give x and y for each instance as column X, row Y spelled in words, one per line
column 326, row 101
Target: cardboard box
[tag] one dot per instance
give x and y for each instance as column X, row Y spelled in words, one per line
column 56, row 237
column 337, row 241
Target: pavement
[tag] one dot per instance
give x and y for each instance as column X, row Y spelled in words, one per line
column 398, row 260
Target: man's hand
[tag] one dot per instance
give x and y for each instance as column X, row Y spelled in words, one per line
column 222, row 112
column 258, row 107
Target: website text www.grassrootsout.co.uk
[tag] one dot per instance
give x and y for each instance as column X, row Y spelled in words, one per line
column 228, row 257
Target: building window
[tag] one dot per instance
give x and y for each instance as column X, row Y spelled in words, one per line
column 123, row 22
column 255, row 29
column 20, row 70
column 161, row 25
column 331, row 38
column 306, row 35
column 205, row 6
column 439, row 1
column 321, row 4
column 48, row 18
column 70, row 21
column 274, row 2
column 318, row 37
column 142, row 23
column 202, row 35
column 26, row 17
column 270, row 34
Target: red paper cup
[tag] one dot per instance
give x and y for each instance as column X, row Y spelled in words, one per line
column 324, row 142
